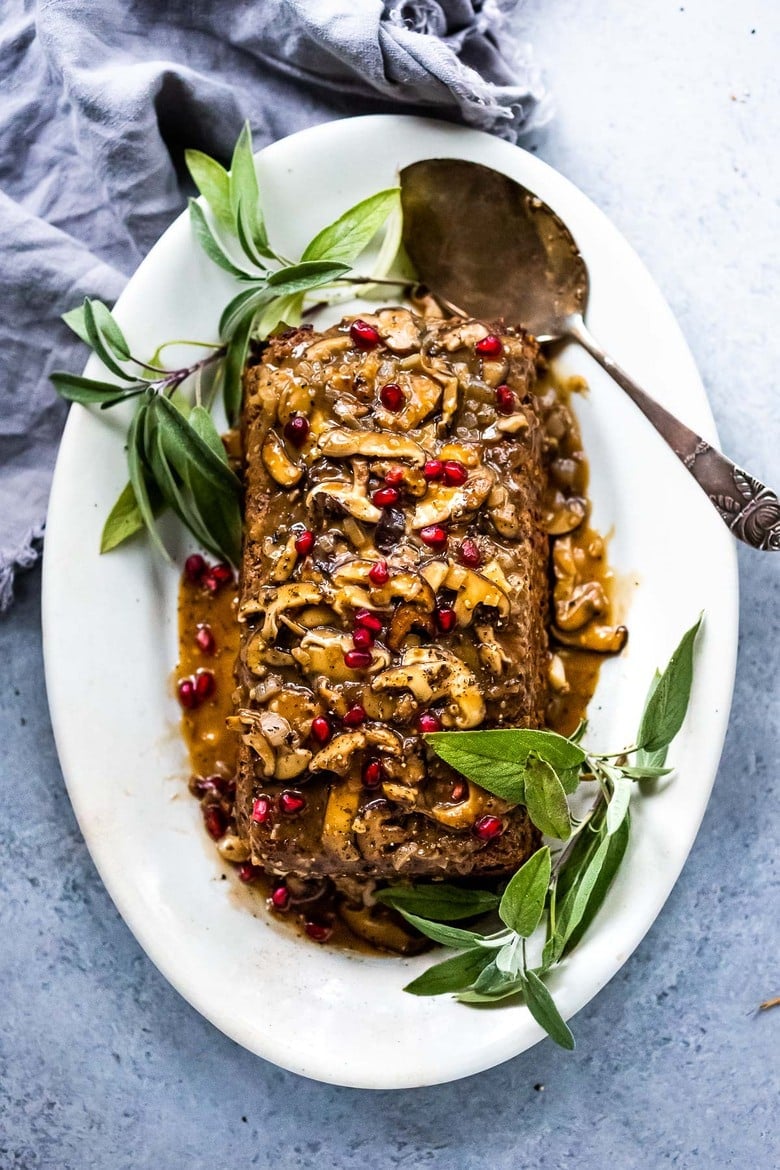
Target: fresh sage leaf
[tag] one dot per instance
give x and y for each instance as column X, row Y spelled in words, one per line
column 438, row 900
column 110, row 330
column 245, row 232
column 99, row 344
column 213, row 182
column 281, row 309
column 575, row 903
column 668, row 702
column 645, row 771
column 74, row 319
column 570, row 779
column 542, row 1007
column 167, row 481
column 184, row 448
column 617, row 845
column 523, row 899
column 209, row 242
column 352, row 232
column 240, row 312
column 87, row 391
column 138, row 477
column 447, row 936
column 125, row 519
column 219, row 510
column 494, row 759
column 507, row 990
column 244, row 190
column 455, row 974
column 545, row 798
column 617, row 807
column 300, row 277
column 233, row 369
column 510, row 958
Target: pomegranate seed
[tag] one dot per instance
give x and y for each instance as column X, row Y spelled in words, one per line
column 364, row 335
column 386, row 497
column 392, row 397
column 261, row 810
column 364, row 617
column 292, row 802
column 434, row 535
column 304, row 543
column 428, row 722
column 379, row 573
column 319, row 931
column 205, row 685
column 357, row 659
column 488, row 828
column 455, row 473
column 194, row 568
column 296, row 430
column 373, row 773
column 280, row 898
column 395, row 477
column 445, row 618
column 215, row 820
column 204, row 639
column 186, row 692
column 355, row 716
column 225, row 785
column 321, row 729
column 363, row 638
column 433, row 469
column 469, row 554
column 489, row 346
column 217, row 576
column 248, row 872
column 505, row 399
column 459, row 791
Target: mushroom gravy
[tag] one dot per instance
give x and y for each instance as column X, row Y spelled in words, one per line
column 579, row 575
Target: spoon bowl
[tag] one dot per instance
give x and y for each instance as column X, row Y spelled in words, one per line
column 488, row 247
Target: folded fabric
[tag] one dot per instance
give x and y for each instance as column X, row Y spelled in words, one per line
column 101, row 98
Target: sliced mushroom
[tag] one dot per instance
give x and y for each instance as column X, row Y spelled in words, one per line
column 351, row 497
column 489, row 650
column 600, row 639
column 422, row 398
column 407, row 617
column 414, row 482
column 337, row 755
column 273, row 601
column 234, row 848
column 254, row 738
column 410, row 586
column 290, row 762
column 398, row 329
column 472, row 588
column 278, row 463
column 337, row 826
column 579, row 604
column 465, row 813
column 283, row 560
column 381, row 929
column 567, row 515
column 430, row 673
column 321, row 651
column 556, row 674
column 258, row 655
column 294, row 397
column 327, row 347
column 503, row 513
column 339, row 444
column 444, row 503
column 468, row 333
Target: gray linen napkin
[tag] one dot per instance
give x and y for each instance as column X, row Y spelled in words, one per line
column 100, row 98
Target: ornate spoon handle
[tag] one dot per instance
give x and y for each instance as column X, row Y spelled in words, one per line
column 750, row 510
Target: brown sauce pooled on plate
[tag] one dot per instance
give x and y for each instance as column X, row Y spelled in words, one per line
column 209, row 643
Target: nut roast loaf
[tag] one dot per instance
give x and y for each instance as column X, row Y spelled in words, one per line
column 394, row 581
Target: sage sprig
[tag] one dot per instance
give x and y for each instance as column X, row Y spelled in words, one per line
column 175, row 457
column 561, row 890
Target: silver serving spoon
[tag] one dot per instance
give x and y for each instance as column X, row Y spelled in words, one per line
column 485, row 245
